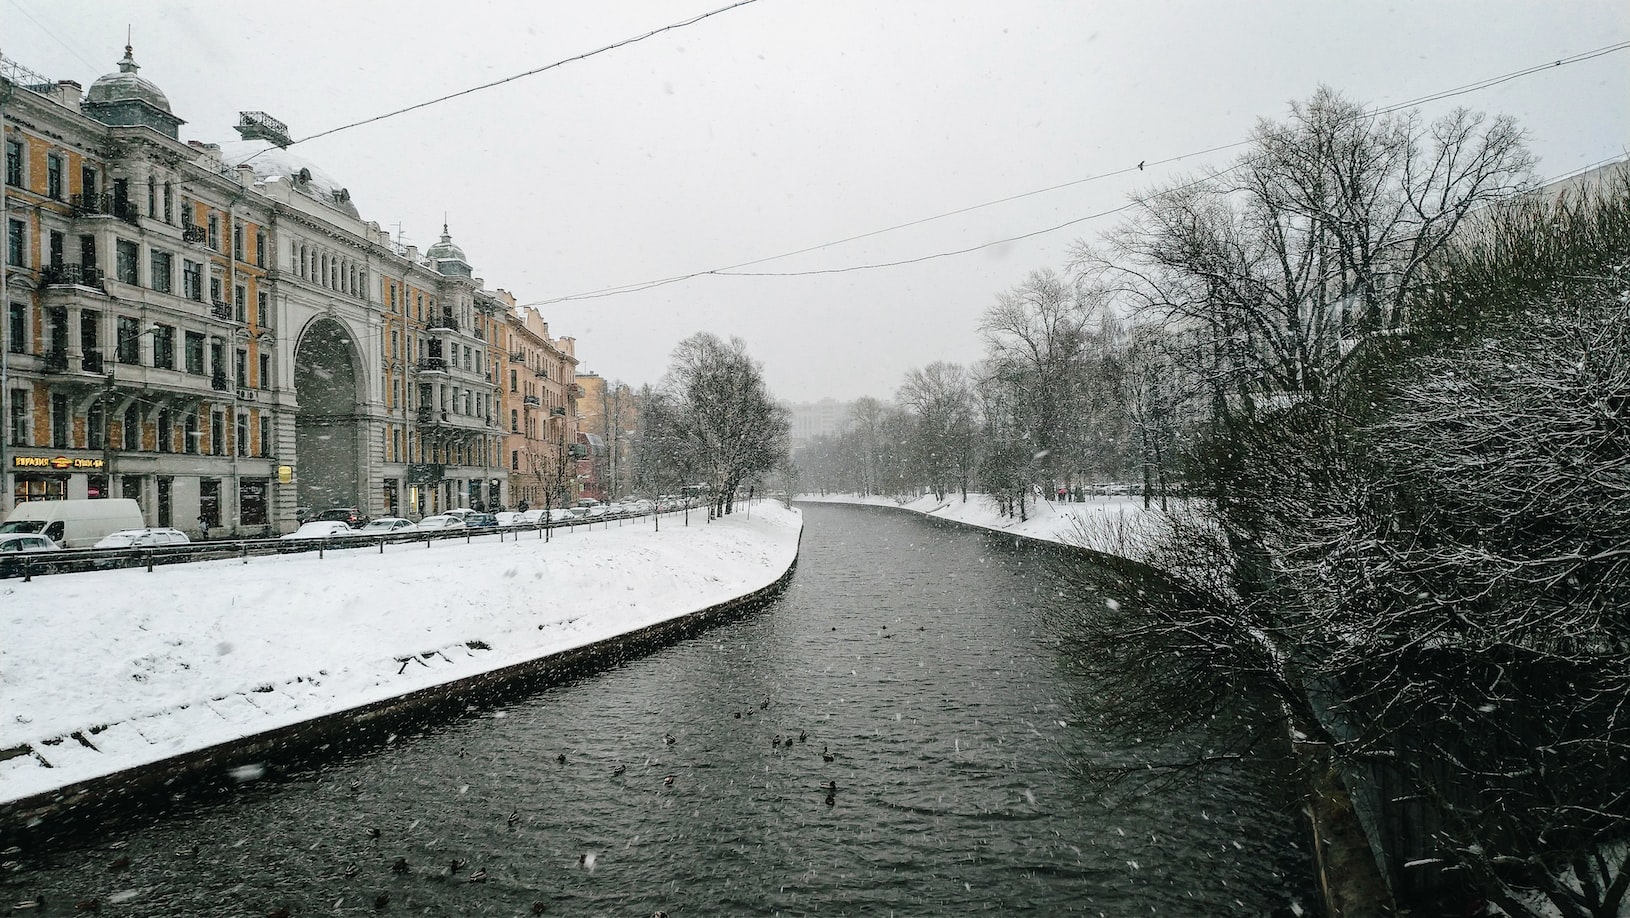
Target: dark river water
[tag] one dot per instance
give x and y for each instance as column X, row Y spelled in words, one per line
column 916, row 656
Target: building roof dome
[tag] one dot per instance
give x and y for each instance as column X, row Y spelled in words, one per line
column 445, row 248
column 126, row 86
column 449, row 258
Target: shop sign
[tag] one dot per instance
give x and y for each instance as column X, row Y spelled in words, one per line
column 56, row 463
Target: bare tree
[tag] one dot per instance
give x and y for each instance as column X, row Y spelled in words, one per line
column 720, row 417
column 1270, row 274
column 940, row 397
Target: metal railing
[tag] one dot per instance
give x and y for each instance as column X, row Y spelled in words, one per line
column 71, row 275
column 432, row 365
column 28, row 565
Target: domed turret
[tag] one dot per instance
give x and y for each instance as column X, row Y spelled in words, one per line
column 126, row 99
column 449, row 258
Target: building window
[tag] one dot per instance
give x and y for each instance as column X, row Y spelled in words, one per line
column 128, row 346
column 195, row 353
column 209, row 502
column 252, row 501
column 60, row 419
column 240, row 368
column 190, row 435
column 132, row 428
column 215, row 232
column 158, row 271
column 18, row 426
column 217, row 434
column 164, row 347
column 262, row 309
column 265, row 434
column 152, row 196
column 17, row 328
column 243, row 434
column 166, row 435
column 260, row 248
column 14, row 243
column 166, row 503
column 264, row 381
column 124, row 261
column 514, row 421
column 14, row 162
column 215, row 295
column 53, row 176
column 512, row 379
column 392, row 289
column 192, row 279
column 169, row 201
column 95, row 425
column 237, row 241
column 240, row 302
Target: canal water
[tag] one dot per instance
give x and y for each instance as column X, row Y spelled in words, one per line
column 907, row 665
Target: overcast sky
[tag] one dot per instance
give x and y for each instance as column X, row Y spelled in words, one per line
column 786, row 124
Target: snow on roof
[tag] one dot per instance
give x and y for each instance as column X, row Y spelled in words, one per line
column 273, row 163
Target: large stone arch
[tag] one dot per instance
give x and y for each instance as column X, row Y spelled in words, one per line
column 329, row 433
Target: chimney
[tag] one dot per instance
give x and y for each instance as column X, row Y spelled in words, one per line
column 67, row 93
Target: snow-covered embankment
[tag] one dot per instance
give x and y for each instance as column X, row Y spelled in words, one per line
column 105, row 672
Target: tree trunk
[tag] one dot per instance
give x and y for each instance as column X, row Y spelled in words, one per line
column 1348, row 873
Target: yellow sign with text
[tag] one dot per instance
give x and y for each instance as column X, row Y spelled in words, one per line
column 56, row 463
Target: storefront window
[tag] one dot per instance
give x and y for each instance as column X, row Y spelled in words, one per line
column 252, row 501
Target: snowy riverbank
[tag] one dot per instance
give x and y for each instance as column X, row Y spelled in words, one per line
column 1108, row 524
column 106, row 671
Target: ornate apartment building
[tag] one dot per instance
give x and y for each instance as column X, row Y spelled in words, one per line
column 539, row 393
column 213, row 330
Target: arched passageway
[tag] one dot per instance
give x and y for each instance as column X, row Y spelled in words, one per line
column 328, row 429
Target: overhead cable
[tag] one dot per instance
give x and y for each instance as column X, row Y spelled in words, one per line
column 734, row 270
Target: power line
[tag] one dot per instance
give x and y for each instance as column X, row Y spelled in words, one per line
column 533, row 72
column 732, row 270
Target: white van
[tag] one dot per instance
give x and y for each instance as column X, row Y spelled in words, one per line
column 75, row 523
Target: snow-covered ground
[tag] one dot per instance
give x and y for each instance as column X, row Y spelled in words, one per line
column 1111, row 524
column 105, row 671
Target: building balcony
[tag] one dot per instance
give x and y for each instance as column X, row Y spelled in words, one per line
column 196, row 234
column 69, row 275
column 443, row 323
column 558, row 411
column 431, row 365
column 531, row 401
column 54, row 361
column 518, row 356
column 222, row 311
column 218, row 381
column 104, row 205
column 91, row 362
column 574, row 390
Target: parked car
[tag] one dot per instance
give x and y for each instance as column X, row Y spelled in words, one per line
column 481, row 521
column 14, row 544
column 350, row 516
column 386, row 524
column 461, row 512
column 531, row 517
column 321, row 529
column 438, row 523
column 508, row 518
column 143, row 538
